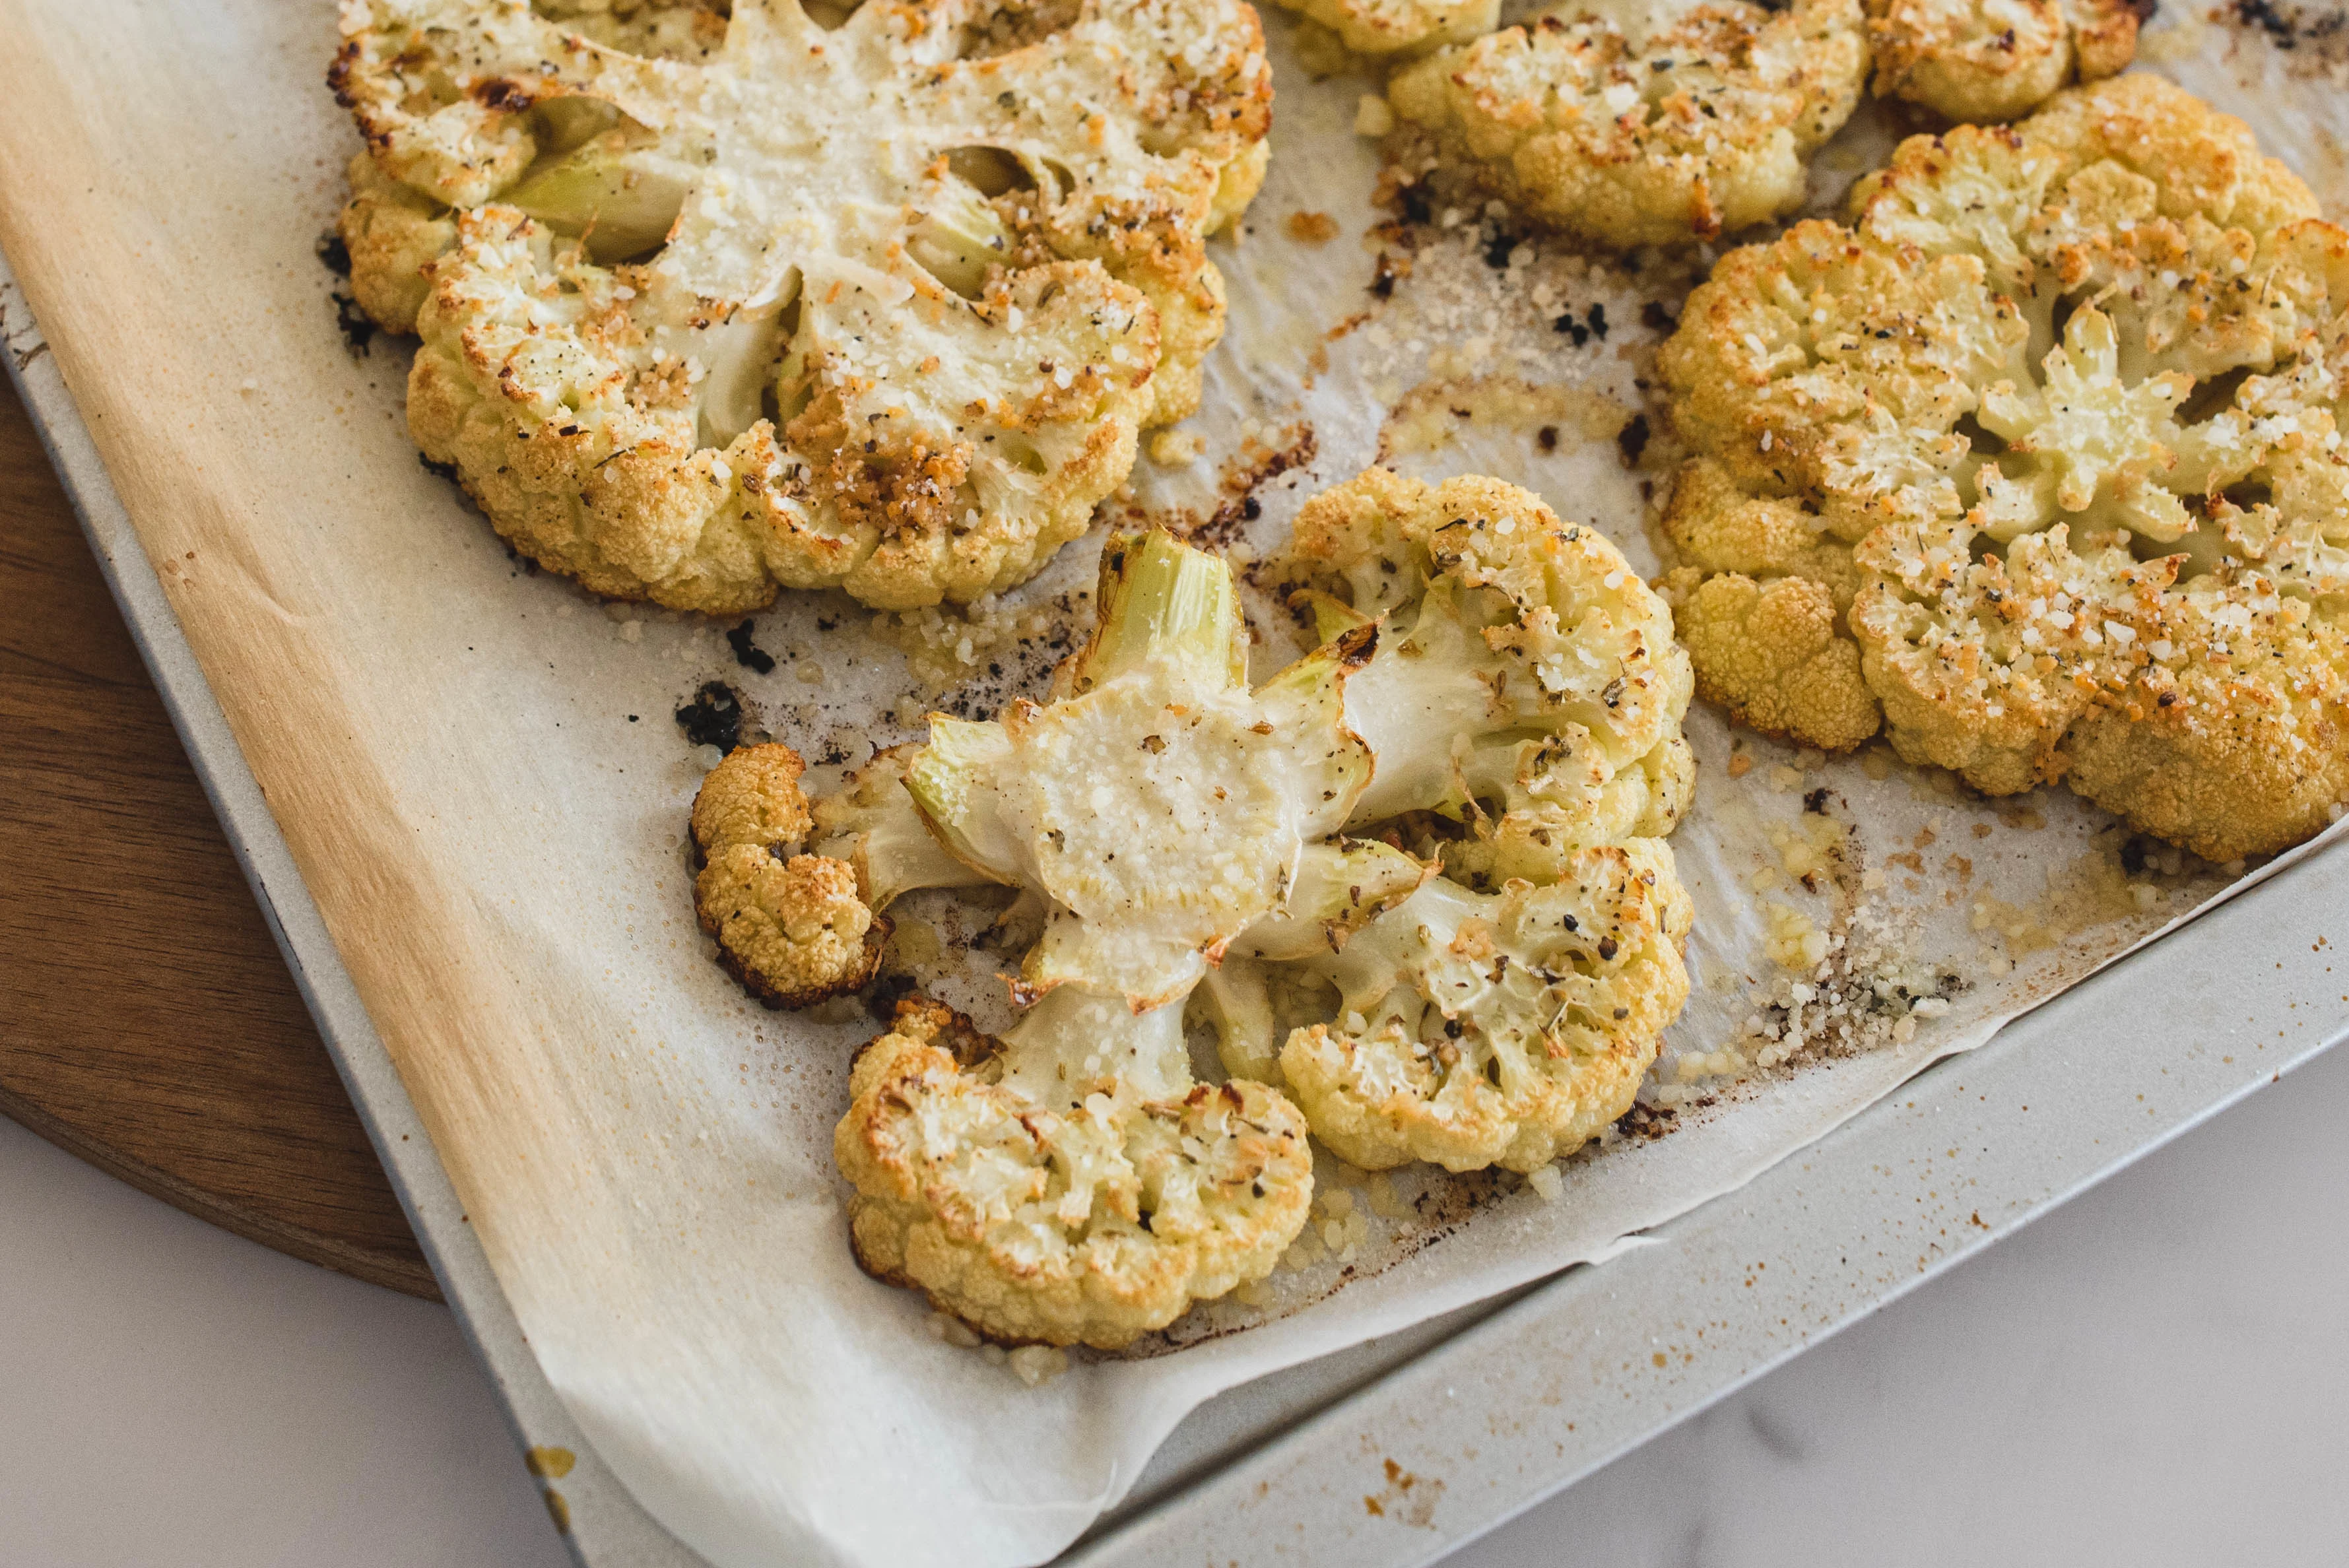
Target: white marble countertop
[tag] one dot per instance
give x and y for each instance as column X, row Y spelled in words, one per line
column 2152, row 1376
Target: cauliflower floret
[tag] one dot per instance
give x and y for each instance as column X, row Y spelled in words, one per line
column 791, row 927
column 2052, row 428
column 1995, row 59
column 2242, row 716
column 1497, row 1029
column 756, row 302
column 391, row 233
column 1400, row 27
column 1525, row 682
column 1059, row 1222
column 1623, row 126
column 796, row 928
column 1770, row 653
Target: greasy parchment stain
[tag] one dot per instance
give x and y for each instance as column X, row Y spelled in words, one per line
column 1406, row 1499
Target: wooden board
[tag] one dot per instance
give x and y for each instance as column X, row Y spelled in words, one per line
column 147, row 1022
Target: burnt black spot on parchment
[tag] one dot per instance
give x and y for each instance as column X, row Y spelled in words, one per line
column 714, row 716
column 749, row 653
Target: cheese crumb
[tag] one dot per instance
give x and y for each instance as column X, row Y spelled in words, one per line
column 1173, row 449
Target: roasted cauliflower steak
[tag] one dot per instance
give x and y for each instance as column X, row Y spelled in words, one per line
column 1524, row 706
column 1625, row 125
column 711, row 304
column 1070, row 1182
column 2043, row 446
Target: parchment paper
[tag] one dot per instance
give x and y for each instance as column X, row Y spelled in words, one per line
column 477, row 770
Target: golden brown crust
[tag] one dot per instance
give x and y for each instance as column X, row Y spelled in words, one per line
column 1480, row 1081
column 1771, row 654
column 1995, row 59
column 1699, row 127
column 1094, row 1225
column 792, row 928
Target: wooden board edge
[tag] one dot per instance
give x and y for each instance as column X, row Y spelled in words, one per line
column 407, row 1275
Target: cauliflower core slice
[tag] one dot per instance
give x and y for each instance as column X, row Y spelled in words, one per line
column 1624, row 126
column 2045, row 443
column 714, row 304
column 1523, row 705
column 1995, row 59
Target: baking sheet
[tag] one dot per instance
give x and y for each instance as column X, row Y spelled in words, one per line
column 447, row 744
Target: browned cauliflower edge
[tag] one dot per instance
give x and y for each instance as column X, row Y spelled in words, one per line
column 1090, row 1223
column 2052, row 423
column 1995, row 59
column 1623, row 132
column 792, row 928
column 711, row 304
